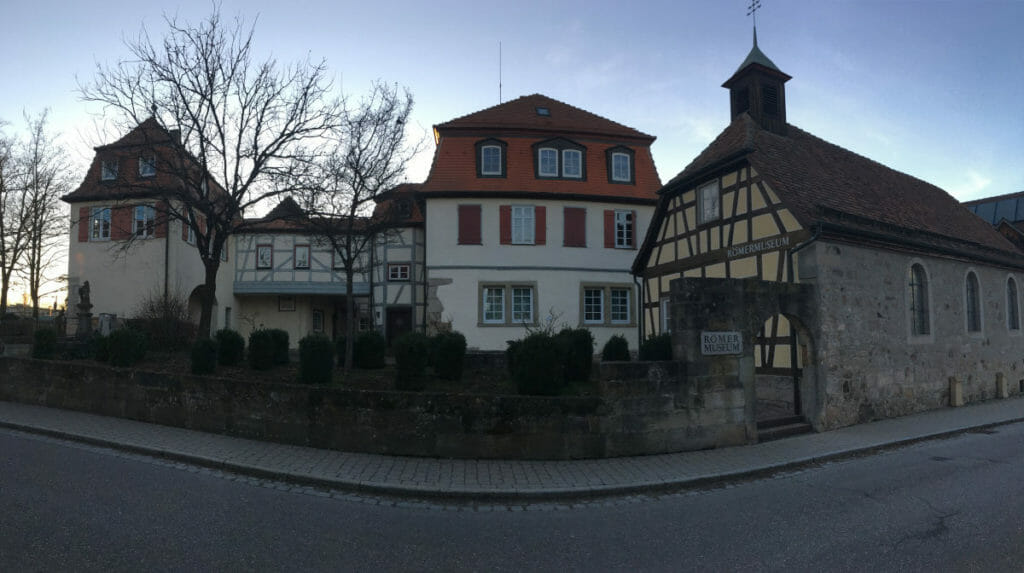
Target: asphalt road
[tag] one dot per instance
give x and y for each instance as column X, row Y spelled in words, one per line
column 948, row 505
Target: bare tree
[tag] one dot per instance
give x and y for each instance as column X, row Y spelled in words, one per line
column 46, row 178
column 338, row 192
column 12, row 219
column 240, row 124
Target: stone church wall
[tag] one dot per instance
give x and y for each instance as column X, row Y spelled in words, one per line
column 871, row 366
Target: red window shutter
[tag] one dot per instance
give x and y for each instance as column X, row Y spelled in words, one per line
column 83, row 224
column 469, row 225
column 121, row 223
column 161, row 220
column 609, row 229
column 505, row 213
column 575, row 227
column 540, row 225
column 636, row 229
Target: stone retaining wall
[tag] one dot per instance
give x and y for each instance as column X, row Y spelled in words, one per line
column 644, row 408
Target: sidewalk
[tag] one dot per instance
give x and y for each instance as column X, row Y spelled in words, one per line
column 496, row 479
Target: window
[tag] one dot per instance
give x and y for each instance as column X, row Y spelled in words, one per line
column 301, row 256
column 100, row 224
column 593, row 306
column 620, row 167
column 318, row 320
column 543, row 111
column 918, row 294
column 191, row 234
column 1012, row 308
column 147, row 166
column 619, row 306
column 608, row 305
column 522, row 305
column 285, row 303
column 398, row 272
column 547, row 162
column 572, row 163
column 145, row 221
column 522, row 225
column 623, row 229
column 666, row 320
column 227, row 317
column 469, row 225
column 494, row 305
column 490, row 160
column 264, row 257
column 973, row 302
column 710, row 203
column 575, row 226
column 108, row 170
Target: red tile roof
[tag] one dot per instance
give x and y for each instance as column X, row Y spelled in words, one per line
column 823, row 183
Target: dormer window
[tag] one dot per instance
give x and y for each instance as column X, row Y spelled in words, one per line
column 572, row 163
column 147, row 166
column 547, row 162
column 543, row 111
column 620, row 165
column 490, row 158
column 108, row 170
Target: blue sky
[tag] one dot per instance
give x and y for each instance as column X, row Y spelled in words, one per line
column 930, row 88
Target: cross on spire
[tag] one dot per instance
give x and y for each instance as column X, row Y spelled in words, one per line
column 752, row 11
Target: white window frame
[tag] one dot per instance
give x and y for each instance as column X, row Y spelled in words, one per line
column 147, row 166
column 519, row 316
column 144, row 221
column 318, row 320
column 269, row 249
column 483, row 160
column 108, row 169
column 491, row 314
column 625, row 229
column 566, row 153
column 621, row 167
column 588, row 304
column 709, row 200
column 99, row 232
column 666, row 324
column 398, row 272
column 523, row 224
column 553, row 172
column 302, row 258
column 611, row 305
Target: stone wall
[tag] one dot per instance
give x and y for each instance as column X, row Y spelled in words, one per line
column 870, row 365
column 644, row 408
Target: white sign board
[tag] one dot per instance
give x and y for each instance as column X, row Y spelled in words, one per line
column 717, row 343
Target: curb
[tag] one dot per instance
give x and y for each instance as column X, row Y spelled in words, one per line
column 511, row 495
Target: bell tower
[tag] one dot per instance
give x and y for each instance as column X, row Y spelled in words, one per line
column 759, row 88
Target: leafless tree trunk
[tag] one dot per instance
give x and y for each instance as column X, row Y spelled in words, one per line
column 339, row 191
column 12, row 218
column 242, row 124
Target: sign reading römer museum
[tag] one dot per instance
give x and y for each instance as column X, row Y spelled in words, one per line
column 714, row 343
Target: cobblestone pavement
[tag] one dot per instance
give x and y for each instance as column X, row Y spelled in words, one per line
column 497, row 480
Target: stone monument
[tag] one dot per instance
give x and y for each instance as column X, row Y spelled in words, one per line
column 84, row 312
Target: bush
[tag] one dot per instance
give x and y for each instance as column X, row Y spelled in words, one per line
column 449, row 354
column 44, row 343
column 369, row 349
column 280, row 338
column 538, row 365
column 101, row 348
column 578, row 346
column 657, row 347
column 164, row 320
column 339, row 350
column 616, row 349
column 510, row 354
column 126, row 346
column 316, row 359
column 261, row 350
column 230, row 347
column 204, row 356
column 411, row 351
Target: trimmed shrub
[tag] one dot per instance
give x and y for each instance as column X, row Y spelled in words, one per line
column 100, row 348
column 280, row 338
column 230, row 347
column 411, row 351
column 44, row 343
column 204, row 356
column 510, row 354
column 369, row 349
column 126, row 346
column 616, row 349
column 449, row 354
column 261, row 350
column 538, row 365
column 578, row 346
column 316, row 359
column 657, row 347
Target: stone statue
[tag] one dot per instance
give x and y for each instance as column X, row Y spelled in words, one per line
column 83, row 296
column 84, row 329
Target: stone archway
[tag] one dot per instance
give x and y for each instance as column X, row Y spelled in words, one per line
column 714, row 324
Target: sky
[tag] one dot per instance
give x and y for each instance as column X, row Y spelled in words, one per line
column 931, row 88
